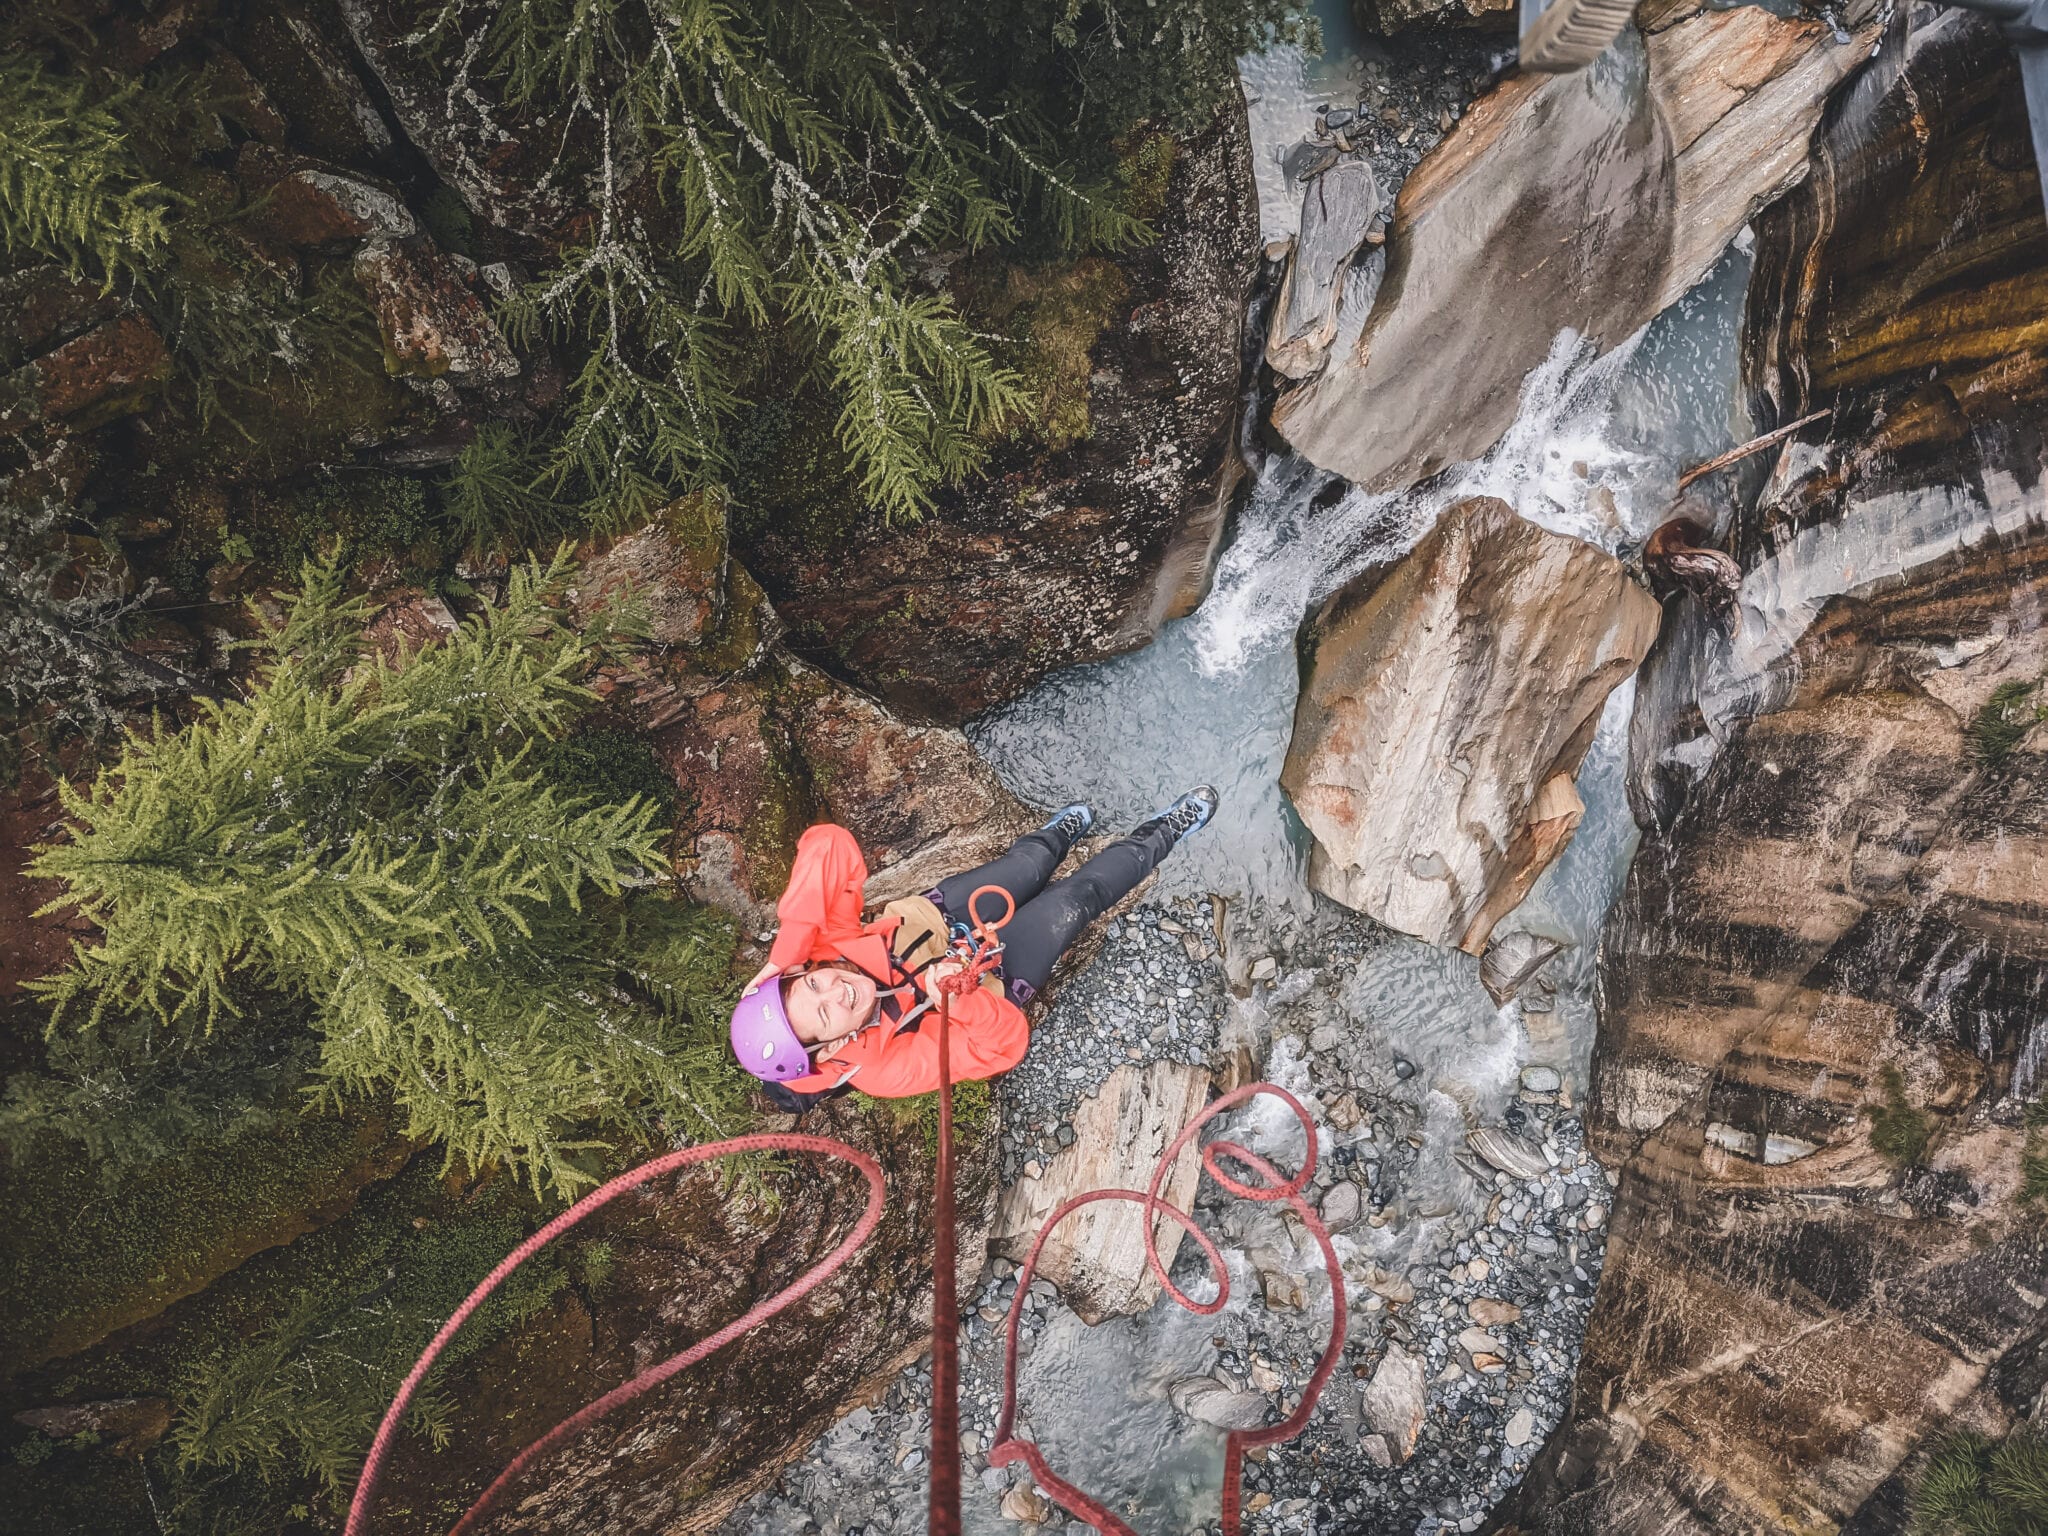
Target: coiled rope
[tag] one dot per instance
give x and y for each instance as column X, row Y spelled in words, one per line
column 1083, row 1506
column 653, row 1376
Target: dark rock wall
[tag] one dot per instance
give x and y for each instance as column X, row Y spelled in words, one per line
column 1079, row 554
column 688, row 1259
column 1852, row 889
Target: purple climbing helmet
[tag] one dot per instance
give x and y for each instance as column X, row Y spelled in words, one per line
column 762, row 1038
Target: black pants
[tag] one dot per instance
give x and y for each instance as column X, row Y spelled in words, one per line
column 1049, row 916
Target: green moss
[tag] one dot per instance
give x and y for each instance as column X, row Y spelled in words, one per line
column 78, row 1261
column 1899, row 1131
column 371, row 513
column 2003, row 722
column 1144, row 172
column 610, row 766
column 2034, row 1156
column 1053, row 314
column 973, row 1113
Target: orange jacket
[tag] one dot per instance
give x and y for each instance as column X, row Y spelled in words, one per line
column 820, row 916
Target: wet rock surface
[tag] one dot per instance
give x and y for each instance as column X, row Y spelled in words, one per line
column 1839, row 911
column 1445, row 709
column 1621, row 184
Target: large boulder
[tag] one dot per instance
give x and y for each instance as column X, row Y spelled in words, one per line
column 1445, row 709
column 1097, row 1255
column 1585, row 202
column 1835, row 944
column 1067, row 556
column 1337, row 208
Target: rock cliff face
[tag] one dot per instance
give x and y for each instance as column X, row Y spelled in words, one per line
column 1836, row 941
column 1446, row 707
column 1083, row 554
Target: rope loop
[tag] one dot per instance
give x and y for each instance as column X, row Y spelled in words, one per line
column 1084, row 1506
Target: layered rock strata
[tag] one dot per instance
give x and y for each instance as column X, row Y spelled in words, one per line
column 1822, row 1024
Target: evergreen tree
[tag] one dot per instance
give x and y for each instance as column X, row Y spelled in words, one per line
column 373, row 836
column 798, row 154
column 71, row 189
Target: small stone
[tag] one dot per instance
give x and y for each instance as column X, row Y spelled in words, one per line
column 1264, row 1377
column 1403, row 1068
column 1265, row 968
column 1488, row 1364
column 1521, row 1427
column 1342, row 1205
column 1026, row 1505
column 1490, row 1313
column 1540, row 1079
column 1285, row 1292
column 1477, row 1341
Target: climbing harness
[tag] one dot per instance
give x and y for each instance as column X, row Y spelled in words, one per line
column 977, row 949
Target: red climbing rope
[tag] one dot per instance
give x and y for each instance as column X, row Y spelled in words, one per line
column 590, row 1204
column 1009, row 1448
column 978, row 953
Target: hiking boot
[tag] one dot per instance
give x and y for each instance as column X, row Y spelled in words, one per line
column 1071, row 822
column 1190, row 813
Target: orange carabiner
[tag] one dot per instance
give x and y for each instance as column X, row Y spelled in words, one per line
column 985, row 932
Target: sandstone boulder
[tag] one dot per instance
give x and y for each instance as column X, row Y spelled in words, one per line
column 1097, row 1255
column 1445, row 710
column 1547, row 206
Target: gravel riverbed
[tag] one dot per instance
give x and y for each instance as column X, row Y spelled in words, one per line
column 1468, row 1285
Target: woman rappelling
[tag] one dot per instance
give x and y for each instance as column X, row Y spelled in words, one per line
column 841, row 1002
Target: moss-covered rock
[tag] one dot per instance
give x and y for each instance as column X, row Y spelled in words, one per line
column 79, row 1261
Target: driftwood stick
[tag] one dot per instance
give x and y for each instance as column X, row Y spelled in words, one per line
column 1754, row 445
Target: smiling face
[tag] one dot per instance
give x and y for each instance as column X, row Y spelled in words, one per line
column 828, row 1004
